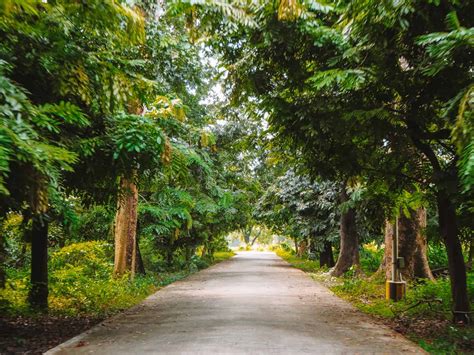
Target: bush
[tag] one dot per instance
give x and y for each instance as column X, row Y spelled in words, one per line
column 220, row 244
column 91, row 259
column 370, row 257
column 81, row 281
column 95, row 224
column 437, row 256
column 286, row 247
column 81, row 294
column 14, row 249
column 198, row 263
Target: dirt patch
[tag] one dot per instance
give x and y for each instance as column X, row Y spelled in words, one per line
column 35, row 335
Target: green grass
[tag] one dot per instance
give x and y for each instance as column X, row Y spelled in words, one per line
column 299, row 263
column 222, row 255
column 427, row 323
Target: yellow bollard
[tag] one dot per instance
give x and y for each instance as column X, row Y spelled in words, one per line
column 395, row 290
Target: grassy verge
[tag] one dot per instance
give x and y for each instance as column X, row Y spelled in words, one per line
column 424, row 316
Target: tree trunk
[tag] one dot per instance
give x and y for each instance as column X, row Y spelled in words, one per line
column 457, row 268
column 204, row 251
column 38, row 294
column 349, row 249
column 188, row 253
column 247, row 231
column 422, row 267
column 259, row 232
column 386, row 264
column 411, row 246
column 126, row 228
column 302, row 248
column 326, row 257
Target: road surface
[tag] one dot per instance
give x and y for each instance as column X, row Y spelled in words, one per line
column 254, row 303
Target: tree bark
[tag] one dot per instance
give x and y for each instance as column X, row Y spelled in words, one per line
column 326, row 257
column 125, row 231
column 457, row 268
column 247, row 231
column 385, row 265
column 302, row 248
column 38, row 294
column 349, row 247
column 422, row 267
column 412, row 246
column 259, row 232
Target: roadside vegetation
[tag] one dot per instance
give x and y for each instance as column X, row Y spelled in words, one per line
column 423, row 316
column 81, row 282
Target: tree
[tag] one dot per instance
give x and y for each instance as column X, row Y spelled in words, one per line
column 32, row 157
column 65, row 77
column 412, row 246
column 364, row 88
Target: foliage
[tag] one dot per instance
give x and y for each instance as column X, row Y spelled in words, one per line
column 295, row 206
column 222, row 255
column 89, row 259
column 437, row 256
column 94, row 224
column 81, row 282
column 372, row 97
column 371, row 257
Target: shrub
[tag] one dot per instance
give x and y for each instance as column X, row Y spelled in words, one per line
column 95, row 224
column 198, row 263
column 91, row 259
column 437, row 256
column 81, row 282
column 286, row 247
column 82, row 294
column 370, row 257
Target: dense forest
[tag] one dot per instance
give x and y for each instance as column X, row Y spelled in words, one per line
column 136, row 136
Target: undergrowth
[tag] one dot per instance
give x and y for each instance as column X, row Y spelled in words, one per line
column 424, row 315
column 80, row 283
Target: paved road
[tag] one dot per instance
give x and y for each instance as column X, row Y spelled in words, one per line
column 254, row 303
